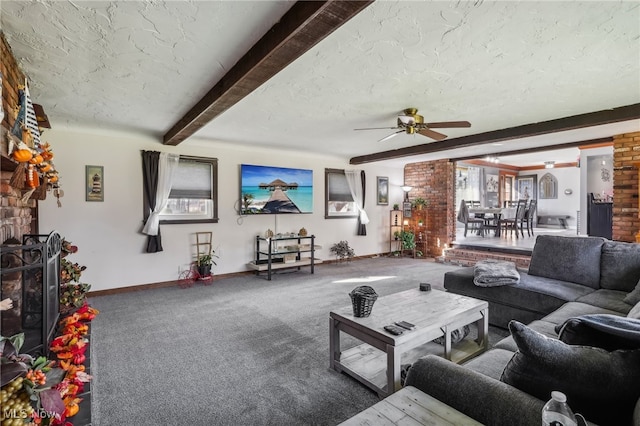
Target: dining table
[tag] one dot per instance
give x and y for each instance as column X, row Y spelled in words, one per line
column 493, row 215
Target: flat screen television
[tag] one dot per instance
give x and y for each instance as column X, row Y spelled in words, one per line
column 273, row 190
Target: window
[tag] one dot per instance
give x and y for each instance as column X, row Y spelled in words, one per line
column 338, row 200
column 194, row 195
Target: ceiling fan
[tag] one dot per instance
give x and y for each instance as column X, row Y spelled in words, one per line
column 411, row 122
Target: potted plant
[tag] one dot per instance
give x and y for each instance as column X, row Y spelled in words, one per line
column 396, row 206
column 204, row 262
column 408, row 240
column 419, row 203
column 342, row 250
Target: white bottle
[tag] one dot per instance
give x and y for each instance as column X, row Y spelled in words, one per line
column 556, row 412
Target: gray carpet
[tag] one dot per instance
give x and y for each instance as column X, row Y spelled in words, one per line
column 241, row 351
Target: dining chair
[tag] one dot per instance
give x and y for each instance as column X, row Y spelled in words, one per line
column 473, row 222
column 515, row 223
column 529, row 215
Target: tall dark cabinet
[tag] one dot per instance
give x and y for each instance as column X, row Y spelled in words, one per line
column 599, row 218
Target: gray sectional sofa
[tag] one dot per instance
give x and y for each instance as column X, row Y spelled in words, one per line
column 572, row 283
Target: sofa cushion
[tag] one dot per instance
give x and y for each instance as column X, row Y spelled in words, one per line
column 575, row 309
column 619, row 265
column 610, row 332
column 573, row 259
column 592, row 378
column 532, row 294
column 634, row 312
column 607, row 299
column 634, row 296
column 490, row 363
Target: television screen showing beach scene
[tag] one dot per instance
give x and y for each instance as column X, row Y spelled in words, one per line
column 272, row 190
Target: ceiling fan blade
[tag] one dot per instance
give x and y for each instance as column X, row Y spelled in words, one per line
column 448, row 124
column 431, row 134
column 378, row 128
column 386, row 138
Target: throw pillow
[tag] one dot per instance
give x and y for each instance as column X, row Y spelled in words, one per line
column 601, row 385
column 634, row 296
column 610, row 332
column 619, row 265
column 634, row 312
column 573, row 259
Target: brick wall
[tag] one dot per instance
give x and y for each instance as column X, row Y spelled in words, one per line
column 464, row 257
column 12, row 76
column 16, row 216
column 626, row 220
column 434, row 181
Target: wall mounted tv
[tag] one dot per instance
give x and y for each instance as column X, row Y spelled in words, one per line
column 273, row 190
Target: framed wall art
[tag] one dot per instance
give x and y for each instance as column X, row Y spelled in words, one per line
column 492, row 183
column 94, row 178
column 526, row 186
column 275, row 190
column 383, row 190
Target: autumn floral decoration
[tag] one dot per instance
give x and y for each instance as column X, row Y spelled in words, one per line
column 70, row 349
column 72, row 291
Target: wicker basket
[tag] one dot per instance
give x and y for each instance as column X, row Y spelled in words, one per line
column 362, row 299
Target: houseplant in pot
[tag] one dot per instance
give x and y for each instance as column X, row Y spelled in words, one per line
column 419, row 203
column 204, row 262
column 408, row 240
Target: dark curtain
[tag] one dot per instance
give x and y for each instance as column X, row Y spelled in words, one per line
column 150, row 161
column 362, row 229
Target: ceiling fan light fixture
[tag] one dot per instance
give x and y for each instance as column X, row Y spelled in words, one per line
column 406, row 120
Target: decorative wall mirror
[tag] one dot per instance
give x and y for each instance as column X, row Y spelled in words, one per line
column 548, row 186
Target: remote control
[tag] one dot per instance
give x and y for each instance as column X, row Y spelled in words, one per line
column 393, row 329
column 406, row 325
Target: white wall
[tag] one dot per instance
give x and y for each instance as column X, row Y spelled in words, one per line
column 565, row 204
column 595, row 183
column 585, row 174
column 108, row 233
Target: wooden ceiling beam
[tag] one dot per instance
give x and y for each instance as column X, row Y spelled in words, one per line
column 591, row 143
column 623, row 113
column 301, row 28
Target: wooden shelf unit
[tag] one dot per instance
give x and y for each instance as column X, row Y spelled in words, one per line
column 271, row 254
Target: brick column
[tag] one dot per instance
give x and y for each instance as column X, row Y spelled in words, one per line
column 626, row 211
column 434, row 181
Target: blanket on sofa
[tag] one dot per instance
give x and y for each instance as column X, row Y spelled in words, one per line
column 493, row 273
column 610, row 332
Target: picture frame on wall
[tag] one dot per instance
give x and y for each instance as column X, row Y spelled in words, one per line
column 492, row 183
column 526, row 186
column 382, row 186
column 94, row 187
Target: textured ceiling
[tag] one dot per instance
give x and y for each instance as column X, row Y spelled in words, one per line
column 142, row 65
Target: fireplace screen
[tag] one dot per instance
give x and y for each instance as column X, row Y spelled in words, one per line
column 31, row 279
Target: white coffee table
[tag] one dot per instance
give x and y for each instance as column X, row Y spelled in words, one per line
column 377, row 362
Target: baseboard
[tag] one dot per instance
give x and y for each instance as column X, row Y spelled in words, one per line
column 164, row 284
